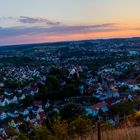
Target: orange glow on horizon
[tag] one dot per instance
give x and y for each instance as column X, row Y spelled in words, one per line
column 123, row 30
column 97, row 35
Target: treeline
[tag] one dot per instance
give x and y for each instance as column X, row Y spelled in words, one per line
column 79, row 128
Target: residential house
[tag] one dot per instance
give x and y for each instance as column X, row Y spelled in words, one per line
column 94, row 110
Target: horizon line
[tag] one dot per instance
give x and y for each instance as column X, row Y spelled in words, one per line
column 65, row 41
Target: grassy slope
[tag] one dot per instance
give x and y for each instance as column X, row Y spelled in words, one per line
column 132, row 133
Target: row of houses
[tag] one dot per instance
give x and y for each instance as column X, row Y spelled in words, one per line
column 109, row 89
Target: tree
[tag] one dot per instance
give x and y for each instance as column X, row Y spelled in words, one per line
column 123, row 108
column 80, row 128
column 10, row 131
column 123, row 88
column 71, row 111
column 60, row 130
column 43, row 90
column 53, row 83
column 42, row 133
column 22, row 136
column 138, row 78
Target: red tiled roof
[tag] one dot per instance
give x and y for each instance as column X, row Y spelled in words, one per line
column 99, row 105
column 37, row 102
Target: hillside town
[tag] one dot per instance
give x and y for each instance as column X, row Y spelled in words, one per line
column 38, row 81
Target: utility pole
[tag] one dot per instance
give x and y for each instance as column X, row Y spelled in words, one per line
column 99, row 130
column 99, row 125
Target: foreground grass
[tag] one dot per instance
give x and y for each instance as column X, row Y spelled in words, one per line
column 118, row 134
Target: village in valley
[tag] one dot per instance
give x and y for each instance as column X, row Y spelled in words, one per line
column 100, row 77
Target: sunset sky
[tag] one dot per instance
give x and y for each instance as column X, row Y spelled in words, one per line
column 34, row 21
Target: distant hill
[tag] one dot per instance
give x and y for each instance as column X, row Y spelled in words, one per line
column 34, row 45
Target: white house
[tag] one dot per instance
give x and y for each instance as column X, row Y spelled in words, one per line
column 3, row 115
column 14, row 100
column 4, row 102
column 24, row 112
column 22, row 97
